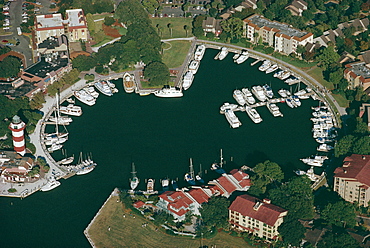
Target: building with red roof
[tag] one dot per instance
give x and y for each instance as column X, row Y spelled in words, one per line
column 352, row 180
column 228, row 183
column 358, row 75
column 259, row 217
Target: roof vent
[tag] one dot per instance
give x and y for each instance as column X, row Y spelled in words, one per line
column 363, row 157
column 257, row 205
column 268, row 201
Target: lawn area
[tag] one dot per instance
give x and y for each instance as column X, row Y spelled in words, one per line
column 343, row 102
column 101, row 16
column 175, row 56
column 316, row 73
column 128, row 232
column 295, row 62
column 177, row 23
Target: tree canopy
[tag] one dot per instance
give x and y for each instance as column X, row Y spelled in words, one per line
column 10, row 67
column 215, row 211
column 292, row 237
column 338, row 240
column 341, row 214
column 157, row 73
column 233, row 26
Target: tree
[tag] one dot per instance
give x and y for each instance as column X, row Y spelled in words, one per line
column 186, row 28
column 344, row 145
column 150, row 5
column 338, row 240
column 361, row 127
column 169, row 25
column 286, row 231
column 90, row 23
column 296, row 196
column 215, row 211
column 83, row 63
column 336, row 76
column 157, row 73
column 265, row 173
column 10, row 67
column 362, row 146
column 233, row 26
column 340, row 214
column 328, row 56
column 108, row 21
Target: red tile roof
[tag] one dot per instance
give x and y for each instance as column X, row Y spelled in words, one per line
column 226, row 184
column 138, row 204
column 176, row 199
column 355, row 167
column 199, row 195
column 267, row 213
column 239, row 175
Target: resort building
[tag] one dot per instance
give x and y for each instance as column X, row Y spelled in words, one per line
column 357, row 75
column 14, row 168
column 255, row 216
column 228, row 183
column 282, row 37
column 212, row 25
column 296, row 7
column 352, row 180
column 178, row 203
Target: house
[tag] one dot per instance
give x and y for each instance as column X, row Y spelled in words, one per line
column 282, row 37
column 212, row 25
column 228, row 183
column 246, row 4
column 255, row 216
column 296, row 7
column 357, row 75
column 352, row 180
column 14, row 168
column 178, row 203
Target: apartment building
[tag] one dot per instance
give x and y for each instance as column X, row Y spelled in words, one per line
column 352, row 180
column 282, row 37
column 357, row 75
column 255, row 216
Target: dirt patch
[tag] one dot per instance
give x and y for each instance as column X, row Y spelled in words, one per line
column 110, row 31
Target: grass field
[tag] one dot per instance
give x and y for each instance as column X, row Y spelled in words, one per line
column 295, row 62
column 128, row 232
column 175, row 56
column 177, row 23
column 316, row 73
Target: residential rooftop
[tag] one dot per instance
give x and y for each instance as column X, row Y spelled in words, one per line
column 284, row 28
column 360, row 69
column 49, row 21
column 75, row 17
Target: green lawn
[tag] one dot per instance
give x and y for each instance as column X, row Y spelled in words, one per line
column 177, row 23
column 128, row 232
column 175, row 56
column 296, row 62
column 343, row 102
column 316, row 73
column 101, row 16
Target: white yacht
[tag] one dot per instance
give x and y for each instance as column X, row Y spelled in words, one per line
column 315, row 161
column 324, row 148
column 168, row 91
column 84, row 97
column 296, row 100
column 265, row 65
column 90, row 90
column 253, row 114
column 66, row 161
column 289, row 101
column 85, row 166
column 228, row 106
column 285, row 75
column 128, row 82
column 199, row 52
column 194, row 65
column 292, row 80
column 71, row 109
column 232, row 119
column 238, row 96
column 274, row 109
column 272, row 68
column 104, row 88
column 187, row 80
column 278, row 74
column 284, row 93
column 268, row 91
column 51, row 184
column 222, row 54
column 61, row 120
column 258, row 92
column 54, row 147
column 243, row 57
column 55, row 139
column 248, row 96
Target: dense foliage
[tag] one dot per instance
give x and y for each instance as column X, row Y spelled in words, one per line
column 10, row 67
column 157, row 73
column 215, row 212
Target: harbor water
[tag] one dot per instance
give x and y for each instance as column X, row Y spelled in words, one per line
column 159, row 135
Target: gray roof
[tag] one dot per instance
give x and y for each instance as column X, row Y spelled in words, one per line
column 360, row 69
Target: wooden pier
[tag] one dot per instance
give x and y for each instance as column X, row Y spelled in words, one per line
column 255, row 62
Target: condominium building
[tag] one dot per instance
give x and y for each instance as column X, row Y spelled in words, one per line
column 357, row 75
column 255, row 216
column 282, row 37
column 352, row 180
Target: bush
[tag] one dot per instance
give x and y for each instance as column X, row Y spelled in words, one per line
column 12, row 190
column 89, row 77
column 269, row 50
column 108, row 21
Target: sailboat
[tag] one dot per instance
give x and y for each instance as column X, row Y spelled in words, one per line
column 189, row 177
column 165, row 184
column 60, row 120
column 66, row 160
column 218, row 167
column 198, row 177
column 55, row 140
column 174, row 184
column 134, row 181
column 85, row 166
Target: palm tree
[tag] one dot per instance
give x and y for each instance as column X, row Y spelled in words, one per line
column 186, row 27
column 169, row 25
column 158, row 28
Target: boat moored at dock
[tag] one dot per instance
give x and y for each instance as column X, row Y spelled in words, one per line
column 128, row 82
column 248, row 96
column 232, row 119
column 52, row 183
column 239, row 97
column 187, row 80
column 168, row 91
column 104, row 88
column 222, row 54
column 84, row 97
column 71, row 109
column 90, row 90
column 150, row 186
column 134, row 181
column 243, row 57
column 258, row 92
column 253, row 114
column 274, row 109
column 268, row 91
column 272, row 68
column 199, row 52
column 193, row 67
column 265, row 65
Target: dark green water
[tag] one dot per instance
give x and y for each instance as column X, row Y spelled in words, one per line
column 159, row 135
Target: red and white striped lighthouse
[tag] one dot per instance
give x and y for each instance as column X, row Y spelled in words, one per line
column 17, row 126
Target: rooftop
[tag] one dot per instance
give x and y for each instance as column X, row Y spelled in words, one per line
column 283, row 28
column 357, row 167
column 43, row 68
column 360, row 69
column 75, row 17
column 49, row 21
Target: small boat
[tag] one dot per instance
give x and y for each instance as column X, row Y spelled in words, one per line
column 189, row 177
column 285, row 75
column 168, row 91
column 253, row 114
column 272, row 68
column 299, row 172
column 278, row 74
column 232, row 119
column 165, row 184
column 85, row 166
column 71, row 110
column 70, row 100
column 174, row 184
column 84, row 97
column 198, row 177
column 54, row 147
column 51, row 184
column 314, row 161
column 292, row 80
column 296, row 100
column 199, row 52
column 128, row 82
column 193, row 67
column 243, row 57
column 61, row 120
column 239, row 97
column 55, row 139
column 218, row 167
column 268, row 91
column 66, row 161
column 274, row 109
column 324, row 148
column 259, row 93
column 187, row 80
column 91, row 91
column 248, row 96
column 222, row 54
column 104, row 88
column 134, row 181
column 150, row 186
column 284, row 93
column 289, row 101
column 265, row 65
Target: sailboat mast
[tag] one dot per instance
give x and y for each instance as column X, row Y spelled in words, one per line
column 191, row 168
column 221, row 158
column 133, row 170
